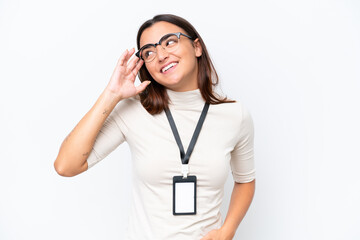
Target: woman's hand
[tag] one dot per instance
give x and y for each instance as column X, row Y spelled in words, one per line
column 217, row 234
column 121, row 84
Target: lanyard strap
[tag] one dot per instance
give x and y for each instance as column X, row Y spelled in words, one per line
column 185, row 157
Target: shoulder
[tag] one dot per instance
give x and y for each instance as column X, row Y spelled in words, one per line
column 235, row 116
column 129, row 106
column 234, row 110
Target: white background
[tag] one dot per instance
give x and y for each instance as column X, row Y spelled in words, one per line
column 294, row 64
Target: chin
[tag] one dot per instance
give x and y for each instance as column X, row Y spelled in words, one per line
column 174, row 82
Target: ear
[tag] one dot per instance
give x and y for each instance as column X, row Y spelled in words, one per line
column 198, row 48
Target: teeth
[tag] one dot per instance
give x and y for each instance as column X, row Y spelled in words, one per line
column 168, row 67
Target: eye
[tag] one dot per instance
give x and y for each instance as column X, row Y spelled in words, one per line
column 148, row 52
column 171, row 41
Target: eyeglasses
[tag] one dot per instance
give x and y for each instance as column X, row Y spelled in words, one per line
column 169, row 42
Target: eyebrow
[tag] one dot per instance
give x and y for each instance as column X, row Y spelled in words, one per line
column 151, row 44
column 148, row 44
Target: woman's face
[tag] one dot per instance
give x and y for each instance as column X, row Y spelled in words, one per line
column 183, row 75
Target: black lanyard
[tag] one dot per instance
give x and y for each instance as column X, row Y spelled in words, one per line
column 185, row 157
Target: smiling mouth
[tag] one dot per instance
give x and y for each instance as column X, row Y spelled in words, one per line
column 171, row 65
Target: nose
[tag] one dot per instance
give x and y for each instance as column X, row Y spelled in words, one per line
column 162, row 53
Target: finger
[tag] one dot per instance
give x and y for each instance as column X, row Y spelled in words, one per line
column 122, row 58
column 137, row 67
column 127, row 57
column 132, row 63
column 142, row 86
column 132, row 51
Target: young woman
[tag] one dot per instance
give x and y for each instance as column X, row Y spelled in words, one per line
column 183, row 136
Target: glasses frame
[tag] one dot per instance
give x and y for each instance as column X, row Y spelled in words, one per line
column 178, row 34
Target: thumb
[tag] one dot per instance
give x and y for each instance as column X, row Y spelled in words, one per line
column 142, row 86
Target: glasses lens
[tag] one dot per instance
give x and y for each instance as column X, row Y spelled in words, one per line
column 170, row 42
column 148, row 53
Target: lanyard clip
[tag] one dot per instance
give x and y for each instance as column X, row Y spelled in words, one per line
column 185, row 170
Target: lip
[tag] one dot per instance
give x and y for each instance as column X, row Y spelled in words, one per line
column 167, row 65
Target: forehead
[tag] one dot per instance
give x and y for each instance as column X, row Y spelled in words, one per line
column 156, row 31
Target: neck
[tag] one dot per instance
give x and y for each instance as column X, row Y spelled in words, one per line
column 186, row 99
column 185, row 87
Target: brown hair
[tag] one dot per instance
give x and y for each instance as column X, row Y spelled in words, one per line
column 154, row 98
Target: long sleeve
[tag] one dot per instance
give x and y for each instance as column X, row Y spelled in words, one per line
column 242, row 157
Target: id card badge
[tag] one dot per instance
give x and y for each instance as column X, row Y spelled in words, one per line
column 184, row 195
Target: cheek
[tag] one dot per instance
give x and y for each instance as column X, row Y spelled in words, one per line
column 189, row 55
column 151, row 70
column 190, row 62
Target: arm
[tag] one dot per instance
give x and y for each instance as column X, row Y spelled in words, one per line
column 75, row 149
column 243, row 170
column 241, row 199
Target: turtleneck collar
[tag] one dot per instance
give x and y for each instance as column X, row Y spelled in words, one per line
column 185, row 99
